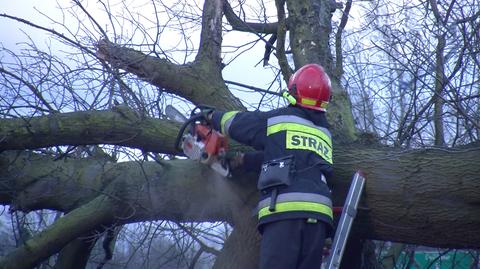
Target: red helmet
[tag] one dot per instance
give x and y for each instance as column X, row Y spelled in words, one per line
column 311, row 87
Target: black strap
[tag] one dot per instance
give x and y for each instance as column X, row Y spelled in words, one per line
column 273, row 200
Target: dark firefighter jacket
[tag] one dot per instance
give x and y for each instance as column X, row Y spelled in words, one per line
column 290, row 131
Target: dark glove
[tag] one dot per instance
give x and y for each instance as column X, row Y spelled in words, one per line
column 207, row 114
column 234, row 159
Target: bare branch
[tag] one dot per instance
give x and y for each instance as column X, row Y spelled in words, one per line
column 338, row 40
column 240, row 25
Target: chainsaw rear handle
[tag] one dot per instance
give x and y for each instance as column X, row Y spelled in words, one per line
column 204, row 110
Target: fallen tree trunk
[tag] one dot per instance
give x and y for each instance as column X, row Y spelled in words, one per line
column 410, row 196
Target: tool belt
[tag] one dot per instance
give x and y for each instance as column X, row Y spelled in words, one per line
column 274, row 174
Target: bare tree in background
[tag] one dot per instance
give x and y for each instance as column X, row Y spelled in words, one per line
column 415, row 56
column 83, row 130
column 425, row 62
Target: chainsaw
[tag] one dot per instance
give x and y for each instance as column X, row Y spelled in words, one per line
column 201, row 142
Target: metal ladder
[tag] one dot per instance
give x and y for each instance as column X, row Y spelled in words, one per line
column 349, row 212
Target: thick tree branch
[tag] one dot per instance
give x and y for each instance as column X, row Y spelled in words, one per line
column 308, row 34
column 118, row 126
column 65, row 229
column 200, row 82
column 195, row 81
column 242, row 248
column 414, row 183
column 126, row 192
column 32, row 181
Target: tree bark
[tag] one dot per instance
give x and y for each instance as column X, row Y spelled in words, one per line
column 426, row 196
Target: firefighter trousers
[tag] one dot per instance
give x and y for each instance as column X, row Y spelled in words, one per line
column 292, row 244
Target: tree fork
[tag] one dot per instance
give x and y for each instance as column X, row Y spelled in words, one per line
column 75, row 254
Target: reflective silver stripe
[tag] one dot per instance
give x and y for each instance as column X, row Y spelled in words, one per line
column 297, row 197
column 295, row 119
column 324, row 180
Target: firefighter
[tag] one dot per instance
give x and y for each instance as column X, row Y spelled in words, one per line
column 295, row 208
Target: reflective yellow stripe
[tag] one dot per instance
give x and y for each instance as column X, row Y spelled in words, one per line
column 300, row 140
column 308, row 101
column 226, row 121
column 296, row 206
column 299, row 128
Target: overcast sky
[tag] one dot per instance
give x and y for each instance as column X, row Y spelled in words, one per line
column 10, row 31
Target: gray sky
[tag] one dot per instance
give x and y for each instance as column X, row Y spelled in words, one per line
column 10, row 31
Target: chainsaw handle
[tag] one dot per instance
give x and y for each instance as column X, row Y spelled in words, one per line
column 203, row 110
column 182, row 130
